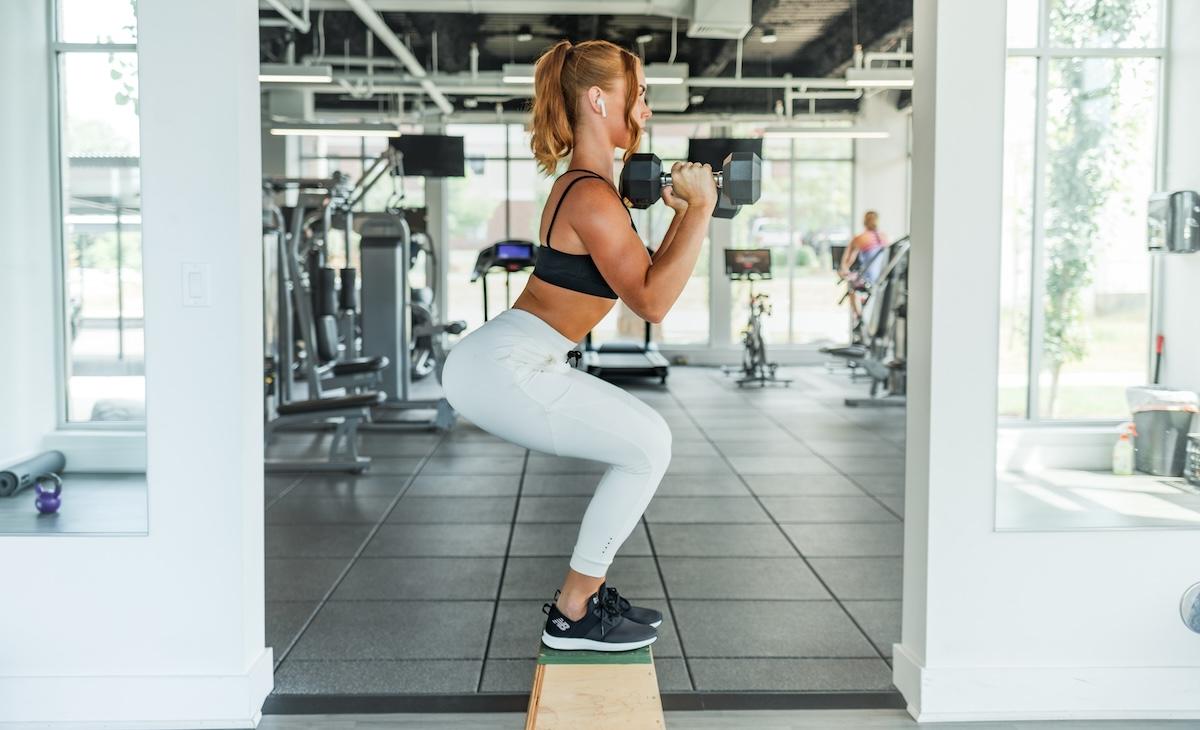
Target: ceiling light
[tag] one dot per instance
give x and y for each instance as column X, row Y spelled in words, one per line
column 697, row 99
column 517, row 73
column 524, row 33
column 338, row 129
column 768, row 35
column 825, row 133
column 893, row 78
column 470, row 102
column 666, row 74
column 288, row 73
column 644, row 37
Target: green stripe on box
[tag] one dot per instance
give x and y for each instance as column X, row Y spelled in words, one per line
column 559, row 656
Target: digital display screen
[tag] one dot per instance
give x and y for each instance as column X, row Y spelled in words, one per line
column 514, row 251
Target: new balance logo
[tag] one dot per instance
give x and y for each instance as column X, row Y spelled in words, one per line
column 561, row 624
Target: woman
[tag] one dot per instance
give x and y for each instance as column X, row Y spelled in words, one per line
column 511, row 377
column 867, row 249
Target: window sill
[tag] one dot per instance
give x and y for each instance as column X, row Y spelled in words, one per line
column 100, row 451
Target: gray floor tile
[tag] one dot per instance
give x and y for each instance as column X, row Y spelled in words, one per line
column 341, row 485
column 295, row 510
column 705, row 509
column 698, row 465
column 533, row 539
column 276, row 484
column 485, row 448
column 826, row 509
column 377, row 579
column 692, row 448
column 852, row 465
column 881, row 484
column 517, row 628
column 851, row 578
column 848, row 539
column 878, row 447
column 301, row 579
column 508, row 675
column 550, row 464
column 315, row 541
column 894, row 503
column 400, row 466
column 480, row 465
column 881, row 621
column 741, row 578
column 438, row 540
column 559, row 485
column 763, row 433
column 764, row 448
column 446, row 485
column 701, row 486
column 454, row 510
column 794, row 485
column 397, row 630
column 789, row 465
column 426, row 676
column 672, row 673
column 538, row 578
column 397, row 444
column 791, row 675
column 721, row 541
column 768, row 629
column 284, row 620
column 552, row 509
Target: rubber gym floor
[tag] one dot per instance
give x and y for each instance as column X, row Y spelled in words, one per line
column 773, row 545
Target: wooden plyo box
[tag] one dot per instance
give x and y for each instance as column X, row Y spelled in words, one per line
column 575, row 689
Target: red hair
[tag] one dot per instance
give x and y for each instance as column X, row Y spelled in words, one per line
column 564, row 72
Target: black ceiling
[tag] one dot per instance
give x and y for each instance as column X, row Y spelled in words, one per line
column 816, row 38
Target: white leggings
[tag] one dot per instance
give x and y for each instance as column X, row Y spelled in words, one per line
column 510, row 377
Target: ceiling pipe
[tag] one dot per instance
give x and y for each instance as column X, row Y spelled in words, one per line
column 452, row 81
column 663, row 8
column 377, row 25
column 301, row 24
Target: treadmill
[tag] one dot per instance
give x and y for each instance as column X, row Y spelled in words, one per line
column 619, row 360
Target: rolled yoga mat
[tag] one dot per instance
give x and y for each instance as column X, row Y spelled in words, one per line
column 20, row 476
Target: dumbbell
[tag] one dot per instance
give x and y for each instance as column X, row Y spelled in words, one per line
column 739, row 182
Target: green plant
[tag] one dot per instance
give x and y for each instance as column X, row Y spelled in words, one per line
column 1081, row 176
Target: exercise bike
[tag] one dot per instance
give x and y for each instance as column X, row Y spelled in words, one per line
column 753, row 265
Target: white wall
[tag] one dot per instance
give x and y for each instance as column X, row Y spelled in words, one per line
column 1178, row 292
column 27, row 293
column 881, row 165
column 1005, row 625
column 167, row 630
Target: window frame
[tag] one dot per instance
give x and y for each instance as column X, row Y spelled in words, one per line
column 58, row 171
column 1043, row 54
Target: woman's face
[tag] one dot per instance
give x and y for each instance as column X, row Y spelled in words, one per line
column 615, row 123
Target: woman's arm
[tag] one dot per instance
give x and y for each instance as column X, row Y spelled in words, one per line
column 848, row 257
column 649, row 288
column 670, row 234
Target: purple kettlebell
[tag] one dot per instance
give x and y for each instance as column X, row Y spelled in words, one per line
column 47, row 501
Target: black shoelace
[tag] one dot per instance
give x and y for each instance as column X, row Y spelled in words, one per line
column 608, row 609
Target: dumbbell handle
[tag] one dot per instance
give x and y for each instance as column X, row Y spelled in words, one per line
column 718, row 175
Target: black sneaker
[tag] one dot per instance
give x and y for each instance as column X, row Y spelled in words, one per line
column 636, row 614
column 602, row 628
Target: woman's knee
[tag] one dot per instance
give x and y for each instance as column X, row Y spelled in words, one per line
column 654, row 442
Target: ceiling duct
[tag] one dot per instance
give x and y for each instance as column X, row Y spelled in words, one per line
column 729, row 19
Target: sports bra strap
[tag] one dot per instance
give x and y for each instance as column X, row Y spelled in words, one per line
column 562, row 197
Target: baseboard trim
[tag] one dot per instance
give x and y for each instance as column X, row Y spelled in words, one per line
column 976, row 694
column 186, row 702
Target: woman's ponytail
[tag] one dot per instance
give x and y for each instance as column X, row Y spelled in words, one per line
column 552, row 138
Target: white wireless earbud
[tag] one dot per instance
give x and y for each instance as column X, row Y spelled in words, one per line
column 603, row 108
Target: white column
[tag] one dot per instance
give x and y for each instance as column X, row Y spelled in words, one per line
column 166, row 630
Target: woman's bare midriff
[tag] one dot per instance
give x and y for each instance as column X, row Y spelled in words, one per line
column 572, row 313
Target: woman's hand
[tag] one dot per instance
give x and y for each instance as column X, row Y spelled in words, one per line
column 694, row 183
column 673, row 201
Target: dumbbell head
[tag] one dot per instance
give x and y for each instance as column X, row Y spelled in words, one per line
column 641, row 180
column 742, row 178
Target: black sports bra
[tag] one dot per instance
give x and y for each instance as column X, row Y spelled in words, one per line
column 576, row 272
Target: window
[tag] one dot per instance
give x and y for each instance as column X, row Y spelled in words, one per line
column 100, row 226
column 1080, row 149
